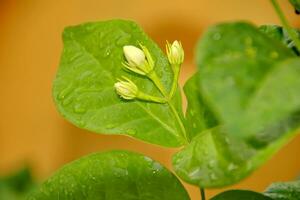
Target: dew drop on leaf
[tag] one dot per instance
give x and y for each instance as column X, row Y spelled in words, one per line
column 213, row 176
column 274, row 55
column 63, row 94
column 67, row 101
column 232, row 167
column 217, row 36
column 78, row 108
column 131, row 131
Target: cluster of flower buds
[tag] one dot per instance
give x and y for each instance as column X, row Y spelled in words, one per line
column 140, row 61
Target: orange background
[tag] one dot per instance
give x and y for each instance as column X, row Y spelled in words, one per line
column 32, row 131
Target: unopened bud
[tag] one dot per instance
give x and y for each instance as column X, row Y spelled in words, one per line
column 126, row 89
column 175, row 53
column 136, row 59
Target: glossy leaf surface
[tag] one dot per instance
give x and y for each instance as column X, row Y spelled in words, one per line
column 84, row 91
column 284, row 191
column 112, row 175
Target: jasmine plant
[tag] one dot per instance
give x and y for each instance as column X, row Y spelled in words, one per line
column 243, row 106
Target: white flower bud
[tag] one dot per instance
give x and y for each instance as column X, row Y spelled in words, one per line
column 136, row 59
column 134, row 55
column 175, row 53
column 126, row 89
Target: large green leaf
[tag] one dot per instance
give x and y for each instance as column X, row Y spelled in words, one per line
column 284, row 191
column 112, row 175
column 240, row 195
column 248, row 92
column 216, row 157
column 83, row 89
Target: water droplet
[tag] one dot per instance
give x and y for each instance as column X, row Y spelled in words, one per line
column 157, row 167
column 194, row 174
column 110, row 126
column 227, row 140
column 250, row 52
column 147, row 159
column 248, row 41
column 65, row 92
column 107, row 53
column 217, row 36
column 192, row 112
column 131, row 132
column 232, row 167
column 274, row 55
column 67, row 101
column 74, row 57
column 78, row 108
column 211, row 163
column 81, row 123
column 213, row 176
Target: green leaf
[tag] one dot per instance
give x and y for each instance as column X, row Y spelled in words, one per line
column 284, row 191
column 279, row 33
column 240, row 195
column 112, row 175
column 241, row 79
column 17, row 185
column 296, row 4
column 217, row 157
column 199, row 116
column 84, row 91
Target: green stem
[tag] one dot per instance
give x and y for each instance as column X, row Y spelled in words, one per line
column 147, row 97
column 174, row 111
column 176, row 70
column 153, row 76
column 202, row 191
column 286, row 24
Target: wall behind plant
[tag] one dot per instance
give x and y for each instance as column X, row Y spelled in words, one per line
column 32, row 131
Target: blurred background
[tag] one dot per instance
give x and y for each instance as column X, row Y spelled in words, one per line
column 31, row 130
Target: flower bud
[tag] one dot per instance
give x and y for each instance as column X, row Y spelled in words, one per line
column 136, row 59
column 175, row 53
column 126, row 89
column 134, row 55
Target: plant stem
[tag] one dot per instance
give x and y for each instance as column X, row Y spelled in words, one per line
column 153, row 77
column 176, row 70
column 286, row 24
column 179, row 121
column 145, row 97
column 202, row 191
